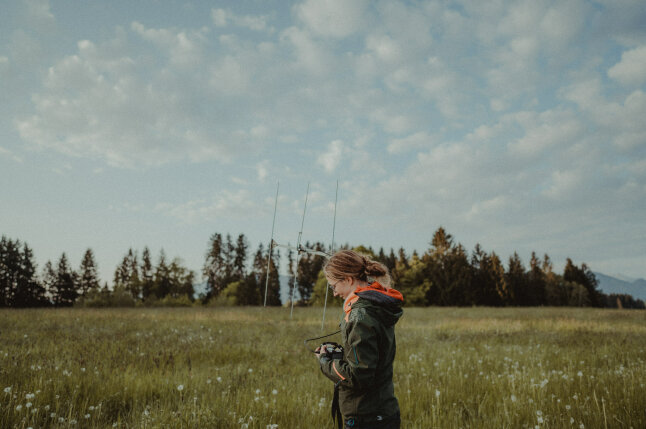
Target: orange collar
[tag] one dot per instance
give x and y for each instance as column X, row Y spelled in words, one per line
column 374, row 286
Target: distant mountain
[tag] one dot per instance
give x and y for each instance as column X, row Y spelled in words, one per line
column 609, row 284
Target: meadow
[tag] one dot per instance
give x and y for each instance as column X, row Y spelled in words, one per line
column 248, row 368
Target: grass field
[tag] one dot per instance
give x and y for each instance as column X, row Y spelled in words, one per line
column 248, row 368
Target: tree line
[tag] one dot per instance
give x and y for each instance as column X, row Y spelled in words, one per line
column 444, row 275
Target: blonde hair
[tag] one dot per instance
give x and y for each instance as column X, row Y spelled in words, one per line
column 348, row 263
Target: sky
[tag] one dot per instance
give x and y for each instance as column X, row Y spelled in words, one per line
column 518, row 125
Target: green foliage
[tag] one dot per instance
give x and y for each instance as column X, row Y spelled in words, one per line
column 320, row 290
column 228, row 297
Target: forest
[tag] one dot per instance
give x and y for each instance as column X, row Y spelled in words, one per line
column 446, row 274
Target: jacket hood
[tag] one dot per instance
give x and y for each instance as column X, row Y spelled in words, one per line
column 388, row 302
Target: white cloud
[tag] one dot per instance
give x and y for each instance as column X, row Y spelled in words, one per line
column 331, row 158
column 222, row 17
column 228, row 76
column 239, row 204
column 262, row 170
column 419, row 140
column 332, row 18
column 311, row 55
column 9, row 154
column 183, row 48
column 545, row 130
column 103, row 103
column 40, row 11
column 631, row 70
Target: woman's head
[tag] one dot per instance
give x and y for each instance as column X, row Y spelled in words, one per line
column 353, row 266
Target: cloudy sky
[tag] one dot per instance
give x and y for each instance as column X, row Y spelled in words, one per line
column 519, row 125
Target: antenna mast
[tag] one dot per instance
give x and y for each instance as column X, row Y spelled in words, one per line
column 271, row 243
column 298, row 246
column 327, row 286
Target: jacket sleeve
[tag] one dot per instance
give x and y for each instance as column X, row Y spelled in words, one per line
column 361, row 354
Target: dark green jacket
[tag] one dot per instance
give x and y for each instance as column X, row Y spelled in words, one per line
column 365, row 374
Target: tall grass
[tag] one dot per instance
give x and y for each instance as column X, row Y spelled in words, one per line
column 248, row 367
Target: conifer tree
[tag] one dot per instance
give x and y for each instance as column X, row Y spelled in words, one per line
column 162, row 280
column 146, row 270
column 65, row 292
column 584, row 277
column 214, row 269
column 29, row 292
column 9, row 269
column 516, row 281
column 88, row 274
column 240, row 258
column 48, row 281
column 536, row 282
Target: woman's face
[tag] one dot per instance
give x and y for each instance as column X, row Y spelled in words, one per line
column 344, row 287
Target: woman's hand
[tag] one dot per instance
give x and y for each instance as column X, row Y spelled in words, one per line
column 318, row 352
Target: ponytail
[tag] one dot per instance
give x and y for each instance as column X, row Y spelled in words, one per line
column 348, row 263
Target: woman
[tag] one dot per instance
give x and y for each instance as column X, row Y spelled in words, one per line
column 364, row 376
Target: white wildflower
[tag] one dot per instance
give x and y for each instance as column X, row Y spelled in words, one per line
column 580, row 374
column 7, row 389
column 219, row 379
column 87, row 416
column 575, row 397
column 29, row 396
column 52, row 415
column 567, row 407
column 208, row 381
column 28, row 405
column 18, row 407
column 272, row 426
column 274, row 392
column 437, row 393
column 257, row 391
column 250, row 370
column 513, row 398
column 180, row 387
column 581, row 426
column 539, row 413
column 571, row 420
column 539, row 419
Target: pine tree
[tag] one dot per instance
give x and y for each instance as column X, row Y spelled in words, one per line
column 485, row 278
column 503, row 291
column 214, row 267
column 29, row 292
column 48, row 280
column 240, row 258
column 584, row 277
column 88, row 274
column 133, row 284
column 146, row 269
column 9, row 269
column 65, row 292
column 536, row 282
column 162, row 281
column 180, row 280
column 516, row 281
